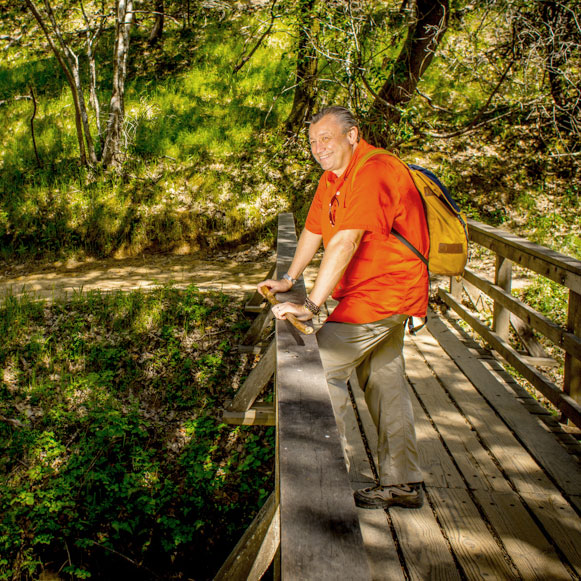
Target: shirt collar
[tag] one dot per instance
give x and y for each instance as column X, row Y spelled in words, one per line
column 361, row 148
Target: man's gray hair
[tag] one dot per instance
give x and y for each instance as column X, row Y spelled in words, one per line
column 344, row 117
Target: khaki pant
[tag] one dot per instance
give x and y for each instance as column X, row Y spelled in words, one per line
column 375, row 351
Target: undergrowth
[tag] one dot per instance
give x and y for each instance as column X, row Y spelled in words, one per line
column 114, row 462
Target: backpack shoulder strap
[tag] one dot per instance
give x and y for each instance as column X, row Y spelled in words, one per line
column 356, row 169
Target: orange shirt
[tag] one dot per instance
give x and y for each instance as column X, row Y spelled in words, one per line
column 384, row 277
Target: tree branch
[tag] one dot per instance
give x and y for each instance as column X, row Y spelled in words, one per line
column 273, row 17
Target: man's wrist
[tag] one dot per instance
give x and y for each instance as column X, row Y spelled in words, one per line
column 289, row 278
column 311, row 306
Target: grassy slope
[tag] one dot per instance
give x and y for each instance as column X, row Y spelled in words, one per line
column 207, row 164
column 204, row 167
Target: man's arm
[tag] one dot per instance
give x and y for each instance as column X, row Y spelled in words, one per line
column 338, row 254
column 307, row 247
column 337, row 257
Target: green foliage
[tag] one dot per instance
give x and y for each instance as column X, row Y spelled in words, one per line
column 113, row 462
column 549, row 298
column 197, row 172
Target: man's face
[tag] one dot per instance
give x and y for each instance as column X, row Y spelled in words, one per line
column 331, row 146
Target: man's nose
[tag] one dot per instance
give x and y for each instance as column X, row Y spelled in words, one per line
column 317, row 146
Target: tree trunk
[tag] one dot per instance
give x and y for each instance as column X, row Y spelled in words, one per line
column 112, row 147
column 157, row 30
column 566, row 96
column 307, row 65
column 68, row 75
column 424, row 35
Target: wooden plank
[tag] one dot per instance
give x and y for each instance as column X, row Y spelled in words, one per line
column 255, row 382
column 379, row 546
column 531, row 552
column 268, row 549
column 561, row 523
column 254, row 304
column 254, row 349
column 517, row 463
column 241, row 560
column 473, row 461
column 558, row 267
column 527, row 337
column 503, row 279
column 561, row 337
column 572, row 376
column 477, row 551
column 437, row 466
column 540, row 361
column 255, row 416
column 426, row 552
column 320, row 534
column 258, row 326
column 570, row 408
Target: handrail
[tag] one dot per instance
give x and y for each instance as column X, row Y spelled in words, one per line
column 320, row 536
column 558, row 267
column 311, row 518
column 564, row 270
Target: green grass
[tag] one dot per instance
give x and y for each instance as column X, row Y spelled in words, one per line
column 191, row 136
column 114, row 461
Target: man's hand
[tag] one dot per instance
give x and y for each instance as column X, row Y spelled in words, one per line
column 299, row 311
column 276, row 286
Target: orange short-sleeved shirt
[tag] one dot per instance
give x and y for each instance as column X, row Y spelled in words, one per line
column 384, row 277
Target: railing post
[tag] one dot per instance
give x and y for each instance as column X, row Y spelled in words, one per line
column 503, row 279
column 572, row 376
column 456, row 287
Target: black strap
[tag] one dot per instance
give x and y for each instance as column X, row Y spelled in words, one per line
column 410, row 246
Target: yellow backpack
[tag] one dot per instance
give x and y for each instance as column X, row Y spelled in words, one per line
column 446, row 222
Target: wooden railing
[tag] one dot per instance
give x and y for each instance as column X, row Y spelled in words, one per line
column 508, row 310
column 309, row 526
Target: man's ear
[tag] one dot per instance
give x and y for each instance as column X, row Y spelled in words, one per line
column 352, row 135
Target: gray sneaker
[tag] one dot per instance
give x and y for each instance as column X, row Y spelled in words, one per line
column 405, row 495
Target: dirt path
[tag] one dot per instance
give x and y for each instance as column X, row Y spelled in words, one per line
column 234, row 273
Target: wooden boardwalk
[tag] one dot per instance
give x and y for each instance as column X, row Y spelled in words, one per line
column 501, row 475
column 503, row 486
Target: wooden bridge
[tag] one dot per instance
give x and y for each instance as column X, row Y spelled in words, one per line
column 502, row 474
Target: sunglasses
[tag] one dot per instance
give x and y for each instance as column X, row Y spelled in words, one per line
column 333, row 205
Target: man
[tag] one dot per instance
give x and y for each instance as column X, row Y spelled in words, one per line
column 378, row 283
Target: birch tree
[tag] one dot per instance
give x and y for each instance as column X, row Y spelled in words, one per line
column 62, row 44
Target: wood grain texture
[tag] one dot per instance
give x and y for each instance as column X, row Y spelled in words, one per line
column 561, row 337
column 563, row 269
column 320, row 534
column 478, row 553
column 561, row 523
column 562, row 401
column 255, row 382
column 531, row 552
column 473, row 460
column 541, row 448
column 426, row 552
column 241, row 560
